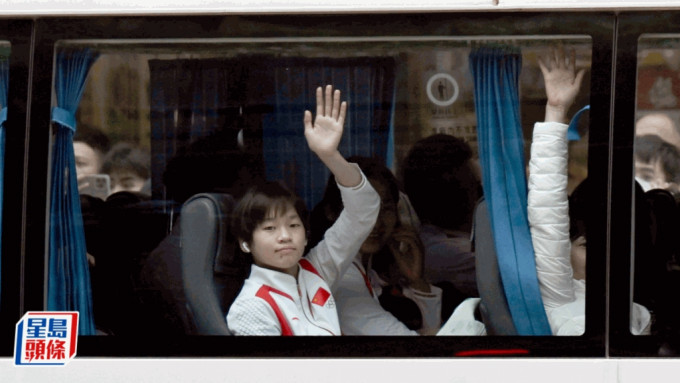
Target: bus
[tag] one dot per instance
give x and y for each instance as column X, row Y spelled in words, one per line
column 120, row 119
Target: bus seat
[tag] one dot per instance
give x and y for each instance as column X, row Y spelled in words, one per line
column 121, row 233
column 657, row 251
column 212, row 275
column 493, row 306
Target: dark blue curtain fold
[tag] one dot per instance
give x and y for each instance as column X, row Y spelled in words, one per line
column 501, row 150
column 367, row 85
column 69, row 287
column 190, row 99
column 4, row 86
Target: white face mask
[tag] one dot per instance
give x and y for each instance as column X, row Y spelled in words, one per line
column 646, row 185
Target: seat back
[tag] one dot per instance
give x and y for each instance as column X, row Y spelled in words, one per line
column 211, row 275
column 657, row 251
column 493, row 305
column 121, row 233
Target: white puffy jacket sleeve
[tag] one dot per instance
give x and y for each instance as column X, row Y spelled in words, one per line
column 548, row 209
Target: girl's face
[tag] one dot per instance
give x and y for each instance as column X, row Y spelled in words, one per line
column 279, row 241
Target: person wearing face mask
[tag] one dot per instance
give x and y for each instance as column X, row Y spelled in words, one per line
column 384, row 291
column 657, row 163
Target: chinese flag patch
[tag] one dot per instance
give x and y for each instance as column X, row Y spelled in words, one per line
column 321, row 297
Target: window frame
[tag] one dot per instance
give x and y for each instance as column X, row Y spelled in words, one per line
column 18, row 32
column 599, row 25
column 631, row 25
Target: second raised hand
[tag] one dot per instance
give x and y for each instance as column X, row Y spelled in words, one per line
column 324, row 131
column 562, row 83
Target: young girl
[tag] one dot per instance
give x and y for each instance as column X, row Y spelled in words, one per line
column 286, row 293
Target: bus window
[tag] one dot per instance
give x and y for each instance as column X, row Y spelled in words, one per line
column 161, row 121
column 5, row 49
column 657, row 177
column 14, row 62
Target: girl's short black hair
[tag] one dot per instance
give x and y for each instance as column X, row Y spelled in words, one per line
column 259, row 200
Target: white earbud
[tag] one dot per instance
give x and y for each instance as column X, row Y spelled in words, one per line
column 245, row 247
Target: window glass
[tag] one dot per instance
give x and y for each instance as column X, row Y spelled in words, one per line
column 657, row 176
column 5, row 49
column 162, row 121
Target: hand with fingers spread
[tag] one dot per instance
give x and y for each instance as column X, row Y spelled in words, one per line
column 562, row 83
column 323, row 133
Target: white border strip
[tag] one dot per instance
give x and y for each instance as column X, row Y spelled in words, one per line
column 301, row 370
column 38, row 8
column 114, row 370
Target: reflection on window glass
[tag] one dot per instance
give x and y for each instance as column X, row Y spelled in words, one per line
column 5, row 49
column 657, row 176
column 171, row 136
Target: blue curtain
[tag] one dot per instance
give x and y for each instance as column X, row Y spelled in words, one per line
column 495, row 71
column 190, row 99
column 4, row 85
column 69, row 286
column 367, row 85
column 572, row 132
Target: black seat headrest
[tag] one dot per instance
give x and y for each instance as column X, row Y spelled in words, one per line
column 211, row 275
column 493, row 305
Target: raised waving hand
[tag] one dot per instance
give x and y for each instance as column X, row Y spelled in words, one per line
column 324, row 132
column 562, row 83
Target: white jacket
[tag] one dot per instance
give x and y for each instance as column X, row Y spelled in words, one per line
column 275, row 303
column 360, row 310
column 548, row 209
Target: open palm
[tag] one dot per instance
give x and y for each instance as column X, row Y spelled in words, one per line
column 562, row 82
column 323, row 133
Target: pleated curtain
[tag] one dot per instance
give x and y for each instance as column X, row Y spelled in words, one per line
column 368, row 87
column 496, row 71
column 69, row 287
